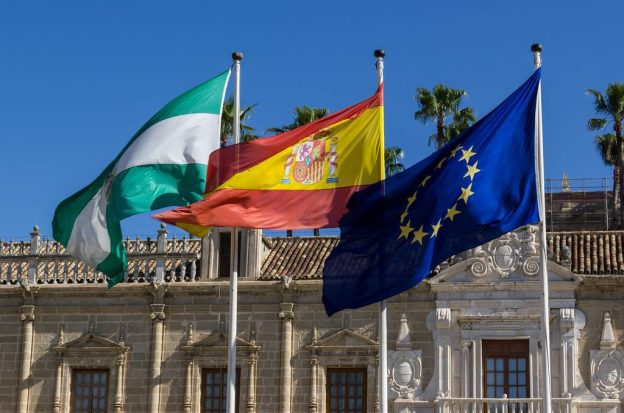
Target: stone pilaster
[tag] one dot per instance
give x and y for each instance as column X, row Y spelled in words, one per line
column 466, row 373
column 443, row 351
column 286, row 314
column 119, row 388
column 58, row 387
column 157, row 314
column 251, row 387
column 313, row 383
column 188, row 388
column 27, row 317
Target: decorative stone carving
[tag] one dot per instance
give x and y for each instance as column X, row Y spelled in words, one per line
column 607, row 365
column 157, row 312
column 607, row 374
column 504, row 255
column 405, row 366
column 27, row 313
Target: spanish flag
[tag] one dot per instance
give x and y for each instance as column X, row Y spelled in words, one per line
column 296, row 180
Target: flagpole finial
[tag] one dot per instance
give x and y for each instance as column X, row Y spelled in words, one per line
column 237, row 56
column 537, row 48
column 379, row 53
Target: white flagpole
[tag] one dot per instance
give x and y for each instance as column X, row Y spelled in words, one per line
column 546, row 387
column 231, row 368
column 383, row 305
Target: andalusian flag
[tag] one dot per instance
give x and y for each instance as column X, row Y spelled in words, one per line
column 299, row 179
column 164, row 164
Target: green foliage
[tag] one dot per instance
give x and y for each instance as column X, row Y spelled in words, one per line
column 303, row 115
column 393, row 157
column 227, row 122
column 440, row 104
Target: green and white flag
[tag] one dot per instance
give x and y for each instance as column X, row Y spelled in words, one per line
column 164, row 164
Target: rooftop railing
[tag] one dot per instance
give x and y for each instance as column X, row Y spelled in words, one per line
column 44, row 261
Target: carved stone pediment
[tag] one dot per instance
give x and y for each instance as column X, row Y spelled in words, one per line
column 514, row 252
column 216, row 341
column 345, row 341
column 90, row 343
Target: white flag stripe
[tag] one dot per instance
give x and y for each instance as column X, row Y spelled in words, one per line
column 89, row 240
column 179, row 140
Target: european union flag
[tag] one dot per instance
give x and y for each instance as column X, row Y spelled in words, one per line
column 478, row 187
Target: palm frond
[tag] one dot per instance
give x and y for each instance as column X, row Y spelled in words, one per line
column 607, row 148
column 597, row 123
column 600, row 105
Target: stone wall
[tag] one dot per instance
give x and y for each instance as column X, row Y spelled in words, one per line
column 123, row 314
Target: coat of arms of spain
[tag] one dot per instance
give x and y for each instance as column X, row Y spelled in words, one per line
column 306, row 162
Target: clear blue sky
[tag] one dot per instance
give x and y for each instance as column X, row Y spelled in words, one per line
column 77, row 78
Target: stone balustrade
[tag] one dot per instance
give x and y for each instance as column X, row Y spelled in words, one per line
column 45, row 261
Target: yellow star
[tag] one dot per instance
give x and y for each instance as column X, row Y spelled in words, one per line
column 436, row 228
column 454, row 151
column 419, row 235
column 439, row 165
column 472, row 170
column 466, row 193
column 405, row 230
column 411, row 199
column 451, row 212
column 424, row 181
column 466, row 155
column 404, row 215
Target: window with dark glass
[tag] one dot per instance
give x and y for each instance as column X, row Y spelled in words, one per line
column 225, row 253
column 89, row 391
column 506, row 368
column 214, row 390
column 346, row 390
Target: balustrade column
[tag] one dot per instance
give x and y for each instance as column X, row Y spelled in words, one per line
column 27, row 316
column 158, row 320
column 33, row 259
column 161, row 244
column 286, row 314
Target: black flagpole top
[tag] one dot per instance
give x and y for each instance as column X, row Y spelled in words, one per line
column 379, row 53
column 536, row 47
column 237, row 56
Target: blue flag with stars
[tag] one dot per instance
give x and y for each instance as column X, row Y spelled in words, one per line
column 479, row 186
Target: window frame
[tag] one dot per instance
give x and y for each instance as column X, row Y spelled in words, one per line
column 328, row 385
column 506, row 350
column 91, row 372
column 222, row 371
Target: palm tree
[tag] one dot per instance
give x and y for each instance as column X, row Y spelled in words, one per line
column 393, row 157
column 611, row 147
column 303, row 115
column 227, row 122
column 439, row 104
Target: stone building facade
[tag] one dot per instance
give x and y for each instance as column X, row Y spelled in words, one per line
column 467, row 339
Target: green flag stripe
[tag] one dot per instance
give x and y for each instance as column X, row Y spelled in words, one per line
column 204, row 98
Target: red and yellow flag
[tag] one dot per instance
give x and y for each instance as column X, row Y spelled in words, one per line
column 296, row 180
